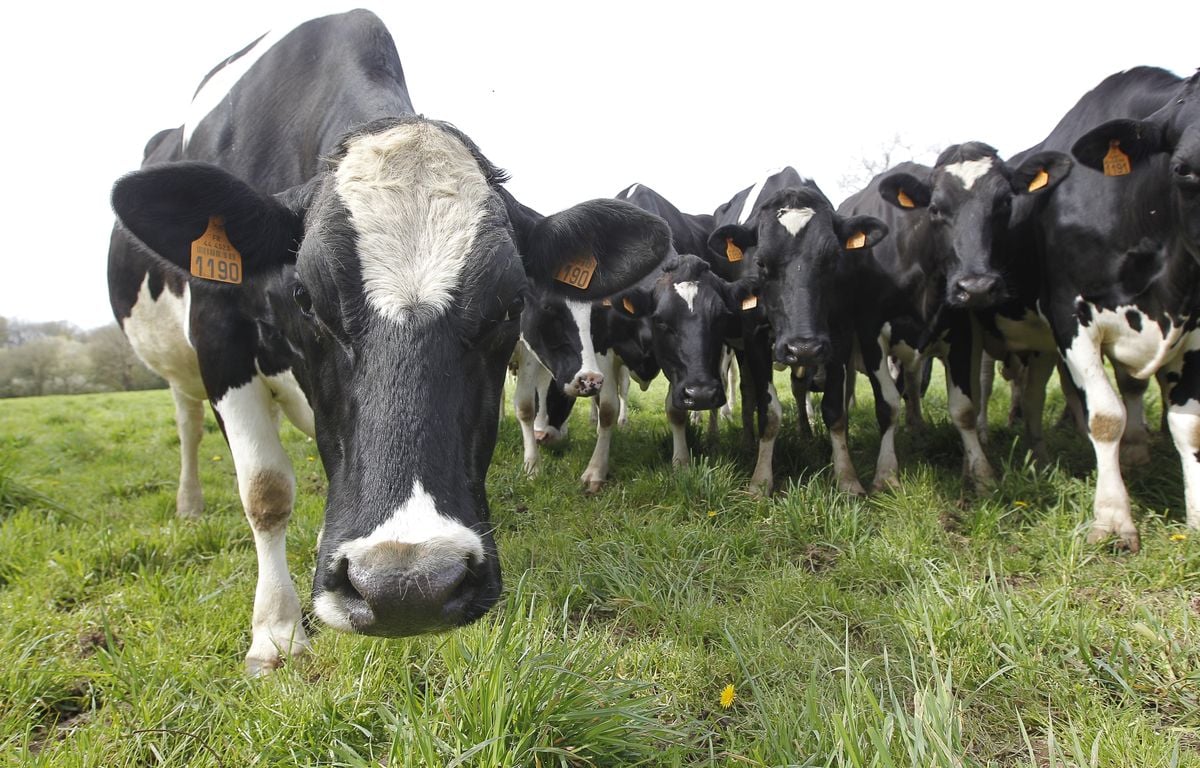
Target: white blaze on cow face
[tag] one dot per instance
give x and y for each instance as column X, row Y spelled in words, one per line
column 970, row 171
column 416, row 196
column 632, row 189
column 581, row 312
column 752, row 199
column 687, row 291
column 794, row 219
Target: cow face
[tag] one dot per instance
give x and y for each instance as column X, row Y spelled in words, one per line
column 558, row 330
column 799, row 244
column 967, row 203
column 396, row 276
column 690, row 311
column 1121, row 147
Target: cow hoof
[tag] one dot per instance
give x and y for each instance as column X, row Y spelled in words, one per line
column 889, row 482
column 261, row 667
column 1126, row 539
column 189, row 506
column 532, row 468
column 726, row 413
column 1135, row 454
column 592, row 481
column 852, row 487
column 760, row 489
column 984, row 437
column 679, row 463
column 623, row 422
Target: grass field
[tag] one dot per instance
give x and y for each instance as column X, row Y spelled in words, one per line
column 920, row 627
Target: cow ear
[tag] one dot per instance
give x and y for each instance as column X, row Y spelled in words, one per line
column 591, row 250
column 1116, row 147
column 636, row 302
column 201, row 220
column 859, row 232
column 904, row 190
column 1041, row 172
column 731, row 241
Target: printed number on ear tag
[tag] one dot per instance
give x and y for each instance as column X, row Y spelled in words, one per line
column 732, row 251
column 748, row 303
column 1116, row 162
column 214, row 257
column 578, row 273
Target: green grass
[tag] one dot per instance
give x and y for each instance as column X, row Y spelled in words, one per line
column 923, row 627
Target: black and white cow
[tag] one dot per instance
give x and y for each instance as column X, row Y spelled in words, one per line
column 730, row 251
column 1121, row 260
column 381, row 260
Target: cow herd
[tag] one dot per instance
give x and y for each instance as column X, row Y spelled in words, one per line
column 306, row 245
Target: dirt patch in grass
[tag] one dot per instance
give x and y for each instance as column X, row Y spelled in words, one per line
column 96, row 639
column 61, row 714
column 817, row 558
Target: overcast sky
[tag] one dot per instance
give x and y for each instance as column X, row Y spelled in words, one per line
column 576, row 100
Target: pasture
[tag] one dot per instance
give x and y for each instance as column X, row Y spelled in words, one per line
column 917, row 627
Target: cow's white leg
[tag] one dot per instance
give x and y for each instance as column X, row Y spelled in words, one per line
column 763, row 478
column 525, row 405
column 963, row 414
column 189, row 420
column 286, row 391
column 267, row 488
column 1106, row 424
column 887, row 406
column 730, row 369
column 607, row 405
column 623, row 395
column 1184, row 423
column 1135, row 443
column 677, row 421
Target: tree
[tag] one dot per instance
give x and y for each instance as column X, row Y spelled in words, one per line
column 113, row 363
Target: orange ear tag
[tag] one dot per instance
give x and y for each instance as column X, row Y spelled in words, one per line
column 1116, row 162
column 904, row 200
column 750, row 302
column 214, row 257
column 628, row 306
column 732, row 252
column 856, row 241
column 1039, row 181
column 578, row 273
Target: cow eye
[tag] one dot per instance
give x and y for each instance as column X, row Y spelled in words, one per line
column 303, row 299
column 935, row 211
column 515, row 308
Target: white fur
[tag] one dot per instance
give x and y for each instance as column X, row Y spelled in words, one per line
column 416, row 197
column 1142, row 352
column 687, row 291
column 794, row 219
column 1029, row 334
column 752, row 198
column 596, row 472
column 581, row 311
column 157, row 331
column 631, row 190
column 970, row 171
column 417, row 521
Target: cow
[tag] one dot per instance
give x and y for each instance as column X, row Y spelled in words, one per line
column 370, row 271
column 1121, row 259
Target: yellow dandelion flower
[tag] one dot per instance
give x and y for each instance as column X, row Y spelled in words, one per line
column 1019, row 504
column 712, row 513
column 1178, row 537
column 216, row 458
column 728, row 696
column 310, row 458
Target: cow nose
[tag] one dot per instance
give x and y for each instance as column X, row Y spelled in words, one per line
column 585, row 385
column 702, row 397
column 394, row 589
column 803, row 351
column 975, row 291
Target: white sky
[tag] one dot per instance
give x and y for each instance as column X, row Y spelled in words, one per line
column 577, row 100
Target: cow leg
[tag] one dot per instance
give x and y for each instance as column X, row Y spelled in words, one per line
column 914, row 389
column 1182, row 404
column 763, row 479
column 1014, row 372
column 608, row 403
column 1135, row 443
column 887, row 406
column 1106, row 424
column 730, row 368
column 189, row 420
column 800, row 382
column 677, row 420
column 749, row 403
column 1073, row 411
column 987, row 380
column 286, row 391
column 623, row 395
column 962, row 395
column 525, row 405
column 267, row 488
column 834, row 411
column 1032, row 391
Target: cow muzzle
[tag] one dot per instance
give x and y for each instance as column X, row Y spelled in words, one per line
column 699, row 396
column 585, row 385
column 395, row 589
column 975, row 291
column 803, row 351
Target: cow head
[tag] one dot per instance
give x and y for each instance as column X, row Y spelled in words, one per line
column 690, row 309
column 967, row 203
column 397, row 275
column 799, row 241
column 1121, row 147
